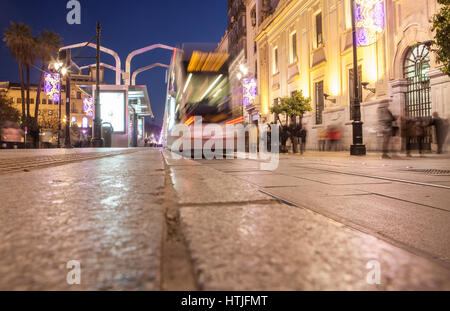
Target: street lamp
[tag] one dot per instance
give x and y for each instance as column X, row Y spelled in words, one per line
column 61, row 71
column 357, row 148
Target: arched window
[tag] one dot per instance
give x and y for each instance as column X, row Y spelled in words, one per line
column 416, row 65
column 418, row 100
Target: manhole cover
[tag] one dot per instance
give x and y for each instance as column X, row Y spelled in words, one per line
column 431, row 172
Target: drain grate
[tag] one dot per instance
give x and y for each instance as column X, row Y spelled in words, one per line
column 434, row 172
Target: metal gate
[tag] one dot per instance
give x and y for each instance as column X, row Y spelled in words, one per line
column 418, row 101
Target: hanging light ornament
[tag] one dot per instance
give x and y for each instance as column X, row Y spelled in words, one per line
column 369, row 16
column 88, row 106
column 249, row 91
column 52, row 86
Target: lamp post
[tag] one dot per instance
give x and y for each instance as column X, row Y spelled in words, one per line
column 357, row 148
column 61, row 71
column 67, row 143
column 97, row 140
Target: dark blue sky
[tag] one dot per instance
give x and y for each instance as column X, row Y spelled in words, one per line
column 126, row 25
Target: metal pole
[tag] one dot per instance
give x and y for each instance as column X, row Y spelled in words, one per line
column 358, row 148
column 67, row 143
column 97, row 141
column 60, row 100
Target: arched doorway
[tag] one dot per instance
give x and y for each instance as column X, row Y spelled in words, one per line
column 418, row 100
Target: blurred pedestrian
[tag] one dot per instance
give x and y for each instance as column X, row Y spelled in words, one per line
column 284, row 135
column 420, row 129
column 269, row 137
column 303, row 135
column 333, row 136
column 294, row 131
column 408, row 133
column 386, row 120
column 441, row 130
column 322, row 139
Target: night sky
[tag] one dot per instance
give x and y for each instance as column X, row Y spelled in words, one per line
column 127, row 25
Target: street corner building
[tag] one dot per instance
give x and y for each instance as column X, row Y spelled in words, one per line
column 285, row 46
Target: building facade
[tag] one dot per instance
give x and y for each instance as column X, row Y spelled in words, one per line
column 48, row 109
column 306, row 45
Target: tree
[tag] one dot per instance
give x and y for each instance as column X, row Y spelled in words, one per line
column 7, row 111
column 441, row 26
column 48, row 45
column 294, row 106
column 20, row 41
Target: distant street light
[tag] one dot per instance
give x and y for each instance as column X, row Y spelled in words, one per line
column 58, row 68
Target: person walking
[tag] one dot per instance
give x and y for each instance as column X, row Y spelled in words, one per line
column 284, row 135
column 386, row 120
column 420, row 129
column 294, row 135
column 323, row 134
column 440, row 130
column 303, row 134
column 408, row 133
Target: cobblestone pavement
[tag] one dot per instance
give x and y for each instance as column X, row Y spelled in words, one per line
column 106, row 213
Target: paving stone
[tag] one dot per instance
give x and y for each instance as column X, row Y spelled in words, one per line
column 105, row 213
column 203, row 185
column 261, row 247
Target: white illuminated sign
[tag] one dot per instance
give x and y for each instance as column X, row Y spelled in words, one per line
column 113, row 109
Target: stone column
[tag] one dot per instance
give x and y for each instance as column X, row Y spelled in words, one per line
column 397, row 93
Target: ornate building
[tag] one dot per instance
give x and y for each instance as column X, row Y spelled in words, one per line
column 307, row 45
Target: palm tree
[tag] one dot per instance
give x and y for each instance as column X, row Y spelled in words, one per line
column 19, row 39
column 49, row 43
column 30, row 57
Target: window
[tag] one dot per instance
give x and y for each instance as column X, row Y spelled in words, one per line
column 348, row 14
column 275, row 60
column 19, row 100
column 85, row 123
column 256, row 69
column 319, row 31
column 319, row 101
column 32, row 101
column 44, row 101
column 78, row 95
column 351, row 89
column 293, row 48
column 253, row 16
column 50, row 102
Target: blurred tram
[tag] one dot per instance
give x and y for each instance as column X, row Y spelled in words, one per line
column 198, row 85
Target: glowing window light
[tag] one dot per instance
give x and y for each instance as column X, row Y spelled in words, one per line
column 52, row 86
column 369, row 17
column 85, row 123
column 88, row 106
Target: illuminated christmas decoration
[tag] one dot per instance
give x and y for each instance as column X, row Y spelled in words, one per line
column 88, row 106
column 249, row 91
column 52, row 86
column 369, row 17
